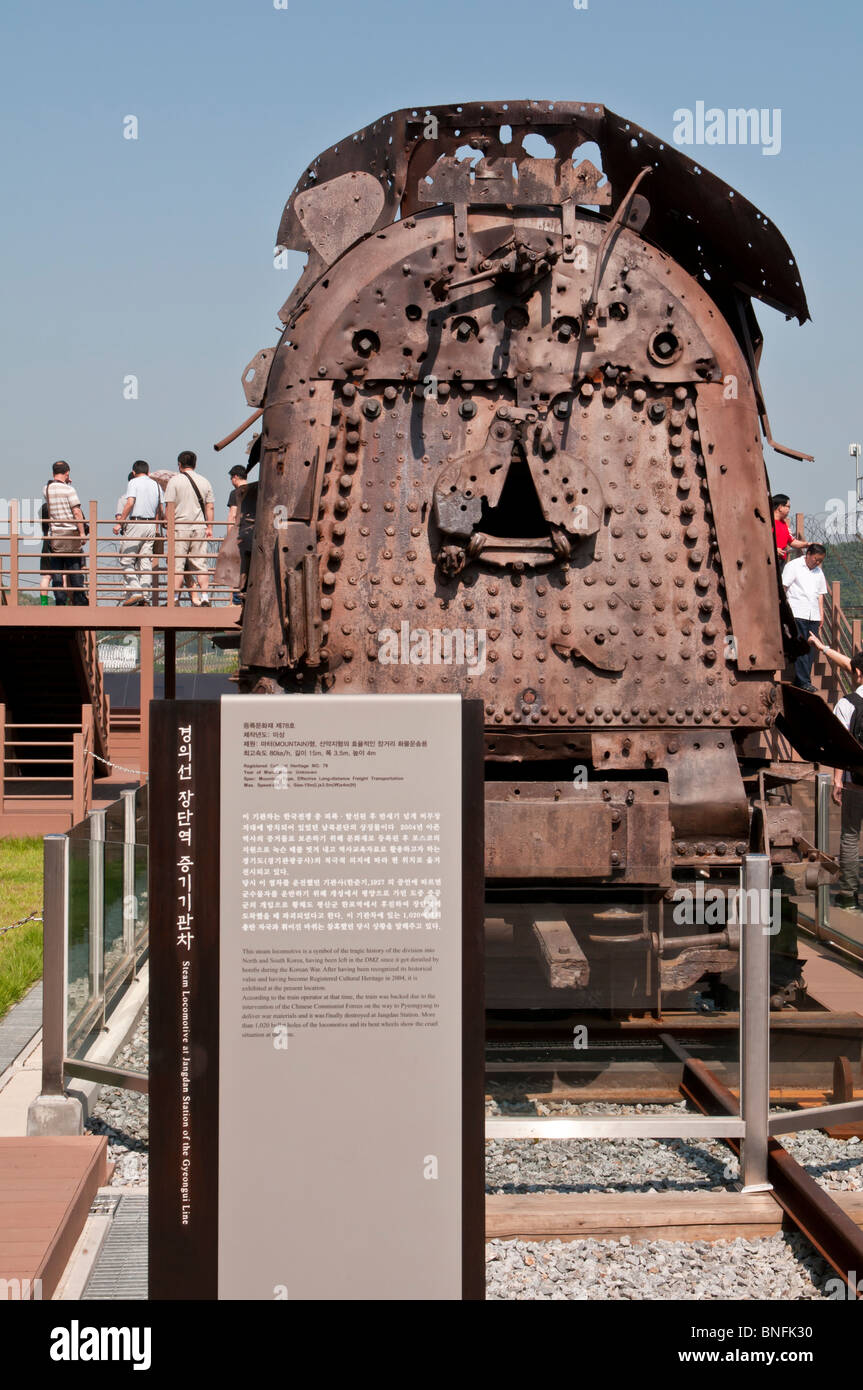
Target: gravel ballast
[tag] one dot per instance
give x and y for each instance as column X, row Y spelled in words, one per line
column 644, row 1165
column 124, row 1116
column 777, row 1267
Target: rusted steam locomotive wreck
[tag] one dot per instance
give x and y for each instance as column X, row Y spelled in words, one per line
column 511, row 447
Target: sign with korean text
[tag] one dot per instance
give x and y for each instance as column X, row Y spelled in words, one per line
column 322, row 1095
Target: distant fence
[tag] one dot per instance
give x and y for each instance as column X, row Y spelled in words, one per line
column 195, row 655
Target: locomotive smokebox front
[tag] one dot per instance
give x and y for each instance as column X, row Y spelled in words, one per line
column 511, row 448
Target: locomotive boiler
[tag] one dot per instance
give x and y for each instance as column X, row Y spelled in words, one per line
column 511, row 447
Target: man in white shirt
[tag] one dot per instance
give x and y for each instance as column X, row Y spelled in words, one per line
column 805, row 587
column 849, row 794
column 137, row 523
column 194, row 510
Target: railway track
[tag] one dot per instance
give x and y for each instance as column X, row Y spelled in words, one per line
column 577, row 1056
column 830, row 1220
column 543, row 1060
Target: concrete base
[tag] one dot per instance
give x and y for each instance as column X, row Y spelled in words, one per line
column 55, row 1115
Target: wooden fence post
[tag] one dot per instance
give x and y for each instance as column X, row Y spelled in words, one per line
column 170, row 560
column 13, row 551
column 78, row 790
column 93, row 571
column 146, row 681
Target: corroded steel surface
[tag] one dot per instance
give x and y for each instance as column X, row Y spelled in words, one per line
column 511, row 448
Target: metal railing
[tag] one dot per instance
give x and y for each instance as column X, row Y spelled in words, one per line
column 104, row 581
column 96, row 935
column 753, row 1125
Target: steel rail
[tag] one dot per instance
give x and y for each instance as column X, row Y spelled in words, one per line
column 814, row 1212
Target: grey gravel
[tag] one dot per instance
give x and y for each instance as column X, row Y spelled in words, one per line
column 604, row 1165
column 644, row 1165
column 834, row 1163
column 124, row 1116
column 780, row 1267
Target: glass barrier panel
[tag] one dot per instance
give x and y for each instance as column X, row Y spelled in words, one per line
column 115, row 821
column 113, row 917
column 142, row 901
column 142, row 812
column 80, row 986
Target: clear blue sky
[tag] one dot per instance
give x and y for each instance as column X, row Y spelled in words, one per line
column 154, row 257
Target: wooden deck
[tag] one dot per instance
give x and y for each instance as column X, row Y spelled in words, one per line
column 47, row 1186
column 94, row 616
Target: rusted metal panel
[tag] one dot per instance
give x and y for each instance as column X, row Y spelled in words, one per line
column 682, row 971
column 255, row 380
column 815, row 733
column 550, row 840
column 743, row 522
column 648, row 833
column 565, row 964
column 695, row 218
column 619, row 832
column 705, row 788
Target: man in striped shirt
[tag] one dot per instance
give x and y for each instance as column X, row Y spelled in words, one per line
column 66, row 535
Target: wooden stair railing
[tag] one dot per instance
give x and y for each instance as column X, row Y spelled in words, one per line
column 82, row 767
column 96, row 685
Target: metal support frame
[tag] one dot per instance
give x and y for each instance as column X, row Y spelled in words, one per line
column 755, row 932
column 823, row 784
column 129, row 898
column 674, row 1126
column 844, row 1112
column 55, row 938
column 53, row 1112
column 97, row 906
column 107, row 1075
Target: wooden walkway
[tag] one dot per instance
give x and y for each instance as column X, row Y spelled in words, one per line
column 829, row 982
column 47, row 1186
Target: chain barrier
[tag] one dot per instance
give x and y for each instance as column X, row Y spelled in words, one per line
column 135, row 771
column 31, row 917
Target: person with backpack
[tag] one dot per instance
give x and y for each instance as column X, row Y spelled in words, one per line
column 64, row 518
column 194, row 511
column 848, row 793
column 241, row 520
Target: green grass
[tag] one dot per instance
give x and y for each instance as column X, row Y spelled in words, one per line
column 20, row 893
